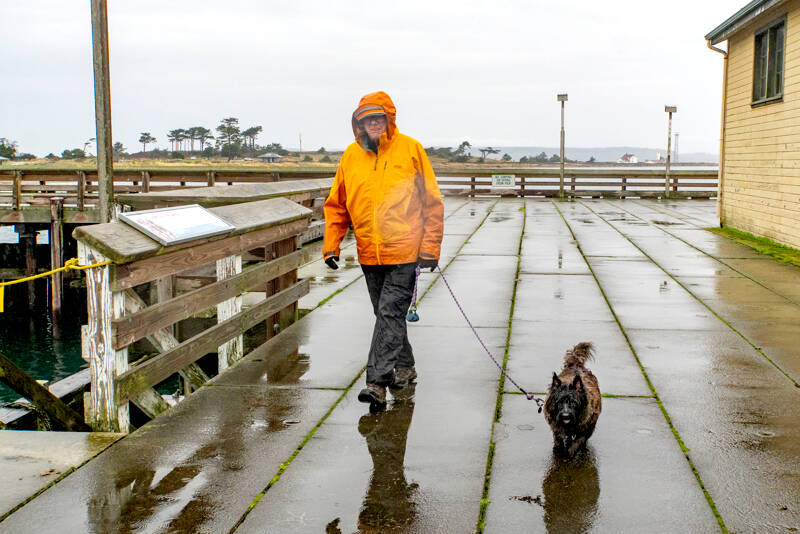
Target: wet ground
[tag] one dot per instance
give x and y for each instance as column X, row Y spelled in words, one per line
column 696, row 355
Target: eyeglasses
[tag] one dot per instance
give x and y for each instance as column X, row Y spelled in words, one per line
column 373, row 118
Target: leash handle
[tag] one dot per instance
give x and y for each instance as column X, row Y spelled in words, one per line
column 529, row 396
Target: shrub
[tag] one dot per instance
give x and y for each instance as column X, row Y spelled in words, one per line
column 308, row 158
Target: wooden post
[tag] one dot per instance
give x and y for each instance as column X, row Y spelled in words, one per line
column 145, row 181
column 56, row 260
column 572, row 184
column 287, row 316
column 105, row 363
column 212, row 178
column 81, row 190
column 17, row 198
column 232, row 350
column 102, row 109
column 623, row 187
column 522, row 186
column 27, row 238
column 472, row 186
column 40, row 396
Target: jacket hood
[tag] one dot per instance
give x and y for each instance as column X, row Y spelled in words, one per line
column 376, row 101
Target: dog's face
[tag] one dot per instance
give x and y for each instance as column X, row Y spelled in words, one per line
column 568, row 400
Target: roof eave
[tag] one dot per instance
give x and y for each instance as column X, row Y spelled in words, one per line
column 739, row 19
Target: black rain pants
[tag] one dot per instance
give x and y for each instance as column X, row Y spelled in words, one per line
column 390, row 289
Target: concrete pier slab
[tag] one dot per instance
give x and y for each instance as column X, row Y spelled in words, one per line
column 31, row 461
column 631, row 478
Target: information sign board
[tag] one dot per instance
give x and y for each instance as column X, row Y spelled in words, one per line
column 170, row 226
column 504, row 181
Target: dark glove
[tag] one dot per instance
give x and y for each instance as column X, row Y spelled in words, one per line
column 331, row 261
column 424, row 264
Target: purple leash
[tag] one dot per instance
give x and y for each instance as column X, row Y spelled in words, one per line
column 413, row 312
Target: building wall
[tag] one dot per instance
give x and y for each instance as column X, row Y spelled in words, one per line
column 761, row 165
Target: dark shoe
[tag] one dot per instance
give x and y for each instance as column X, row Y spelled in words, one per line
column 374, row 394
column 403, row 376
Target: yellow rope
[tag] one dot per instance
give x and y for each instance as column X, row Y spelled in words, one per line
column 71, row 264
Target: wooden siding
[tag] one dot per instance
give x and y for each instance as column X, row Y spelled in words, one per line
column 761, row 167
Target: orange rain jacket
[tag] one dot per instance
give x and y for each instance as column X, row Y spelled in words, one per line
column 391, row 198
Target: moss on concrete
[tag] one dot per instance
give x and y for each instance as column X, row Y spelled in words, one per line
column 762, row 245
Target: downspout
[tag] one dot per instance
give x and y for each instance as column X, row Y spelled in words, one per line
column 721, row 169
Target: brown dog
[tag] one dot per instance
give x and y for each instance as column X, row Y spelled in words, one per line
column 573, row 402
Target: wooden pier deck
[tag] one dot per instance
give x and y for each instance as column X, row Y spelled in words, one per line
column 695, row 337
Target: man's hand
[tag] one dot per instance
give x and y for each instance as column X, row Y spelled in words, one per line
column 424, row 264
column 331, row 261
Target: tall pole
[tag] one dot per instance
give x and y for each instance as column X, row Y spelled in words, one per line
column 670, row 110
column 562, row 98
column 102, row 109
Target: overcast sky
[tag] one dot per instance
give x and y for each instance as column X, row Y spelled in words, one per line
column 483, row 71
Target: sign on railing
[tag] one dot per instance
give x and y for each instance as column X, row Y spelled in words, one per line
column 503, row 181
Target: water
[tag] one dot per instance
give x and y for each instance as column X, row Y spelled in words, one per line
column 26, row 336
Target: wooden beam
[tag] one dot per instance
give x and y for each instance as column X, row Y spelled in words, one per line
column 102, row 109
column 230, row 351
column 159, row 368
column 149, row 320
column 164, row 340
column 56, row 261
column 102, row 410
column 40, row 396
column 139, row 272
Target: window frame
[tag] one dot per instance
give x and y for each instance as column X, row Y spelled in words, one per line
column 765, row 30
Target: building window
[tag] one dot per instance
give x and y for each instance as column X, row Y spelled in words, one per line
column 768, row 65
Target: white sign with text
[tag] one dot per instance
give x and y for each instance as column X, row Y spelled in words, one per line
column 504, row 181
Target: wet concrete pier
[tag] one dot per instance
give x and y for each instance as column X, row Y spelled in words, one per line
column 696, row 355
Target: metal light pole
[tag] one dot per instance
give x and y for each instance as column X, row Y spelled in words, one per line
column 102, row 109
column 562, row 98
column 670, row 110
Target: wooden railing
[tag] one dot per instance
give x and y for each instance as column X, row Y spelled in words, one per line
column 33, row 189
column 582, row 181
column 119, row 313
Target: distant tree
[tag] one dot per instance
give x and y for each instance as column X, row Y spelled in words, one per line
column 119, row 150
column 88, row 142
column 210, row 152
column 51, row 156
column 75, row 153
column 8, row 148
column 276, row 148
column 177, row 155
column 230, row 137
column 250, row 135
column 326, row 159
column 201, row 135
column 554, row 158
column 172, row 137
column 506, row 157
column 591, row 160
column 463, row 149
column 308, row 158
column 541, row 158
column 321, row 150
column 523, row 159
column 25, row 156
column 488, row 150
column 145, row 138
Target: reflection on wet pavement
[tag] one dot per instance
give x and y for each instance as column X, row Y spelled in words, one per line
column 389, row 501
column 571, row 489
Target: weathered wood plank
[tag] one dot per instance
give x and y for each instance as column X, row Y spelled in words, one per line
column 139, row 272
column 220, row 196
column 164, row 340
column 287, row 316
column 230, row 351
column 40, row 396
column 124, row 244
column 105, row 363
column 150, row 402
column 146, row 321
column 159, row 368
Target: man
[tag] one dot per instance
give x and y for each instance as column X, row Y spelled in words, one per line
column 385, row 188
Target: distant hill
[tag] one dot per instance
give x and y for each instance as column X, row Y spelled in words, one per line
column 601, row 154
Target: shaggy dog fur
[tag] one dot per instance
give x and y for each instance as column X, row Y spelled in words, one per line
column 573, row 402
